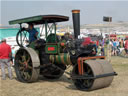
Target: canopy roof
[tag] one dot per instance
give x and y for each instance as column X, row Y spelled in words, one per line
column 40, row 19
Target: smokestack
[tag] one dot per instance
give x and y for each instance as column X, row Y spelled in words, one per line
column 76, row 22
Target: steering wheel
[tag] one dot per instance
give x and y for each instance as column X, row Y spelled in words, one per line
column 22, row 37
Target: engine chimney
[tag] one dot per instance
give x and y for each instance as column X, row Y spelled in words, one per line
column 76, row 22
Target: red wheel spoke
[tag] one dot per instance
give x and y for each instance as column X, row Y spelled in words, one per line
column 28, row 60
column 21, row 68
column 21, row 62
column 29, row 67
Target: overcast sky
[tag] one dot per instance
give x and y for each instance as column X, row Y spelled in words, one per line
column 92, row 11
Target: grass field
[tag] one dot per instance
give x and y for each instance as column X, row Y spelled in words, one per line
column 65, row 87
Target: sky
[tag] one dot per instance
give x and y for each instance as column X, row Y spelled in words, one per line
column 91, row 12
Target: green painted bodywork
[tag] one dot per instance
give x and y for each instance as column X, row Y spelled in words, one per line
column 51, row 38
column 32, row 45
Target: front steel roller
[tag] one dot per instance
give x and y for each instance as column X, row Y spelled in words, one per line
column 97, row 74
column 27, row 65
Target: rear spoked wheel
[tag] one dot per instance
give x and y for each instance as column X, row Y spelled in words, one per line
column 25, row 63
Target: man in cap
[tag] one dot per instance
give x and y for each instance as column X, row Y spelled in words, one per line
column 33, row 33
column 5, row 54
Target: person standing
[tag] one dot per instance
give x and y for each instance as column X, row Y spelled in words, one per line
column 5, row 54
column 114, row 47
column 126, row 46
column 118, row 47
column 13, row 54
column 102, row 48
column 33, row 33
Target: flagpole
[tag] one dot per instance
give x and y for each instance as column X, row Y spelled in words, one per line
column 109, row 20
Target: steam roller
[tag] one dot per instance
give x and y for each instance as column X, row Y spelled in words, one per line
column 50, row 57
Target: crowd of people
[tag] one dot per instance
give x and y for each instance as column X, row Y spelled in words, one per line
column 117, row 45
column 114, row 45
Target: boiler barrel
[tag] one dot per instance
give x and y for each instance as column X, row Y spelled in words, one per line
column 62, row 58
